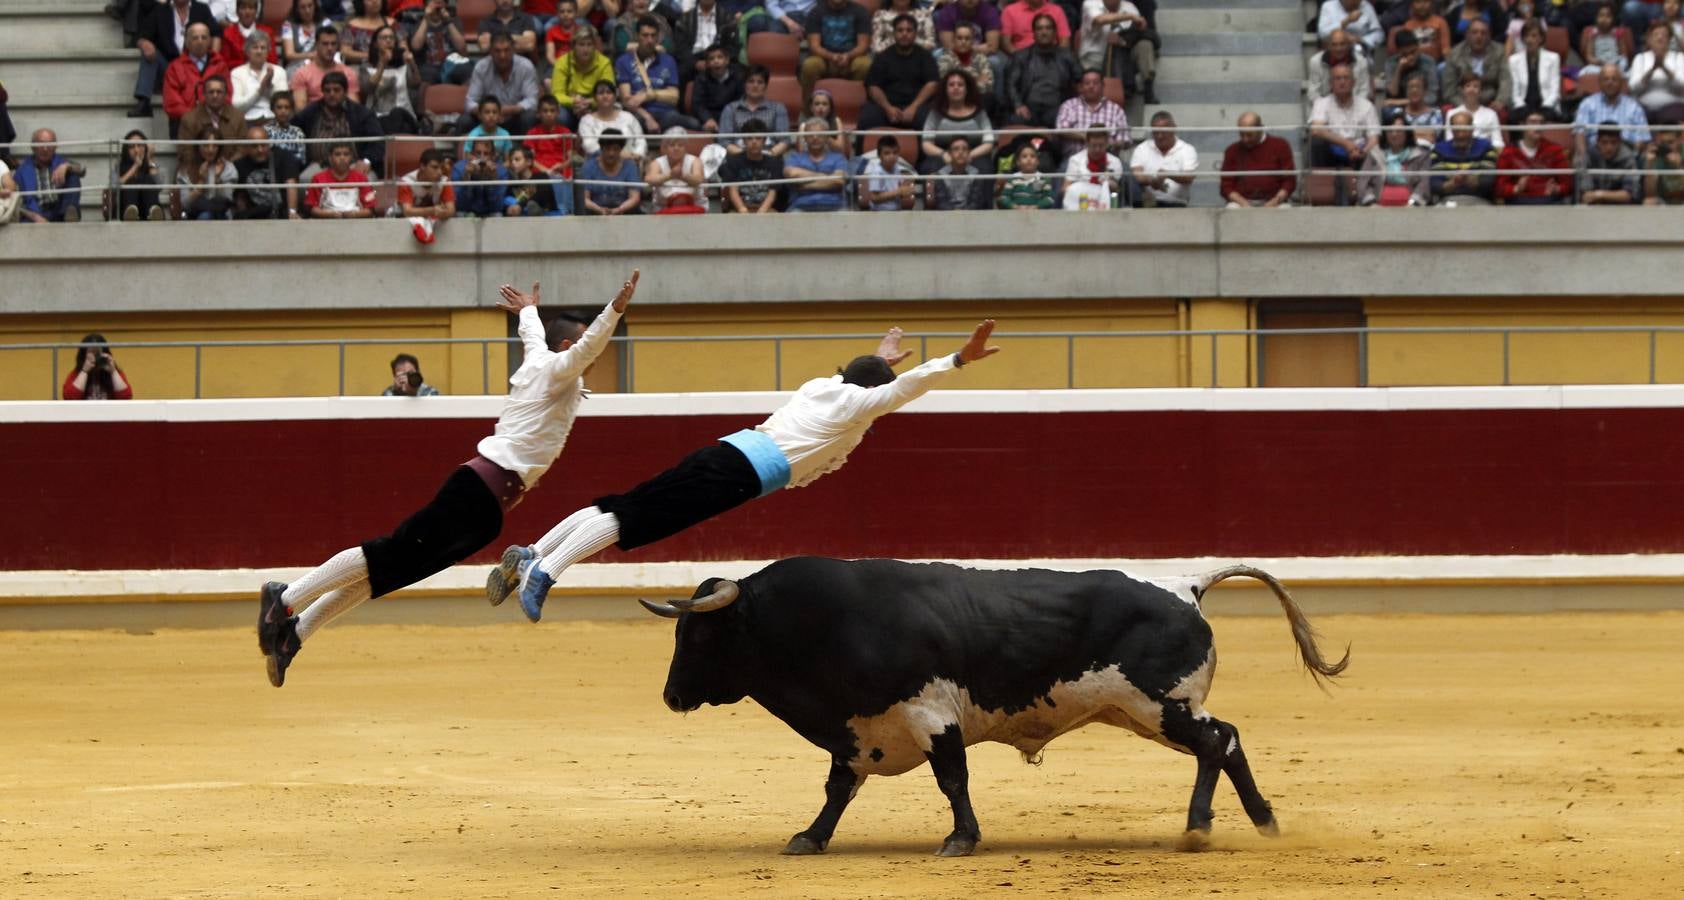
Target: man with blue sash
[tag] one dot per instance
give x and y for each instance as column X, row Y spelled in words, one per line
column 806, row 438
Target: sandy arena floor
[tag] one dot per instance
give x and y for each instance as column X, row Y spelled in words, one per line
column 1518, row 756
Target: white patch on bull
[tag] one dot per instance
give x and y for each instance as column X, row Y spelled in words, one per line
column 1183, row 588
column 897, row 740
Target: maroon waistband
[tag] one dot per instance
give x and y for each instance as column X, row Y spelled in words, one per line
column 503, row 484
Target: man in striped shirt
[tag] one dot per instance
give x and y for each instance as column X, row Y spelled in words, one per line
column 1090, row 109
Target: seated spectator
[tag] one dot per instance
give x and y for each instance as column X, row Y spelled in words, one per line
column 1487, row 126
column 260, row 166
column 705, row 26
column 1030, row 189
column 552, row 143
column 45, row 170
column 1605, row 43
column 256, row 81
column 883, row 25
column 649, row 83
column 490, row 115
column 337, row 116
column 1657, row 76
column 1672, row 15
column 1091, row 109
column 783, row 17
column 576, row 76
column 754, row 107
column 1394, row 171
column 1156, row 165
column 521, row 28
column 1479, row 55
column 676, row 176
column 426, row 198
column 825, row 169
column 298, row 34
column 1018, row 26
column 241, row 30
column 838, row 42
column 623, row 36
column 1093, row 179
column 1257, row 151
column 389, row 75
column 888, row 179
column 161, row 38
column 356, row 36
column 1114, row 33
column 1466, row 162
column 1463, row 15
column 1609, row 152
column 1343, row 126
column 1429, row 28
column 608, row 116
column 528, row 199
column 1425, row 117
column 340, row 191
column 1659, row 187
column 719, row 85
column 821, row 105
column 963, row 55
column 204, row 179
column 434, row 40
column 407, row 380
column 985, row 48
column 1536, row 76
column 185, row 78
column 1406, row 62
column 1042, row 75
column 1356, row 18
column 746, row 172
column 610, row 165
column 283, row 135
column 307, row 81
column 1611, row 103
column 482, row 188
column 959, row 186
column 509, row 78
column 136, row 176
column 96, row 375
column 215, row 113
column 1532, row 151
column 958, row 112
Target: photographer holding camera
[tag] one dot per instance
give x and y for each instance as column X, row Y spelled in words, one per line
column 96, row 375
column 406, row 379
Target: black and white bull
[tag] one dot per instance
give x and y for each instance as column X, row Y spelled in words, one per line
column 887, row 664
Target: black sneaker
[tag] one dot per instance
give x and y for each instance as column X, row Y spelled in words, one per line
column 142, row 109
column 272, row 611
column 286, row 647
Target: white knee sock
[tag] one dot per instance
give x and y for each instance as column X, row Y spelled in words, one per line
column 552, row 540
column 348, row 567
column 588, row 536
column 330, row 607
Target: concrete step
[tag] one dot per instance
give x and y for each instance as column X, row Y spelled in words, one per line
column 51, row 8
column 1271, row 43
column 1228, row 20
column 102, row 74
column 1246, row 4
column 69, row 32
column 100, row 123
column 1193, row 115
column 1230, row 68
column 1174, row 92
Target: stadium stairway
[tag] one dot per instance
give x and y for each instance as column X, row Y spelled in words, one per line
column 64, row 66
column 1221, row 58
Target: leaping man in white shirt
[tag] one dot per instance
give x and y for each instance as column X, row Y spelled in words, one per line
column 467, row 513
column 807, row 437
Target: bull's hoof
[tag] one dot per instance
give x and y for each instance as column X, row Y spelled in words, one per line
column 802, row 845
column 1193, row 841
column 957, row 846
column 1270, row 828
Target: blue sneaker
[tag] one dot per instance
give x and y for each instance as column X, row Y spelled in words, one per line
column 534, row 587
column 503, row 579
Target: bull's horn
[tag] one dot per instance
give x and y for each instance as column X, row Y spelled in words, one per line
column 723, row 595
column 663, row 610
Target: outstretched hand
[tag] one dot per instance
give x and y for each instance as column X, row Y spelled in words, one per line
column 626, row 292
column 977, row 347
column 890, row 349
column 514, row 301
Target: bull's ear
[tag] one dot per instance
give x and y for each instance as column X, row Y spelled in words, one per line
column 665, row 611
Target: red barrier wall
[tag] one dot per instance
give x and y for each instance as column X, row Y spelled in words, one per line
column 172, row 495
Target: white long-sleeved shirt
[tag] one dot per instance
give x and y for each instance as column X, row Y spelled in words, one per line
column 544, row 395
column 827, row 418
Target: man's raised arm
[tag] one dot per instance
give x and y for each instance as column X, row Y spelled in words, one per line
column 887, row 398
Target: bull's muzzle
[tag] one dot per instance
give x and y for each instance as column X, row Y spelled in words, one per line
column 724, row 594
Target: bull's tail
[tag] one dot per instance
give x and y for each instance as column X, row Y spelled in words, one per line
column 1302, row 632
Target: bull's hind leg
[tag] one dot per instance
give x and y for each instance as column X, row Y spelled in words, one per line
column 839, row 788
column 1216, row 746
column 947, row 761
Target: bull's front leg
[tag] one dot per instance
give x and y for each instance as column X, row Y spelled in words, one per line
column 947, row 761
column 839, row 788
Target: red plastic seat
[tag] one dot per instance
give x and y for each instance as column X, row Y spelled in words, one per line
column 779, row 53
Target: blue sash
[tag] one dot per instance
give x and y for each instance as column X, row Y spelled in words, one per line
column 763, row 453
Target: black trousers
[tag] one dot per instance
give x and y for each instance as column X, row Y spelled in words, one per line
column 704, row 484
column 462, row 518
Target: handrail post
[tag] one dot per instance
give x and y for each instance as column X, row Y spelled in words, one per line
column 341, row 368
column 1505, row 357
column 52, row 386
column 1069, row 361
column 1213, row 359
column 777, row 364
column 198, row 368
column 485, row 367
column 923, row 348
column 1362, row 357
column 1652, row 337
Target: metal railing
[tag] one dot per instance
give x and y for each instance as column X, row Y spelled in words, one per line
column 1189, row 343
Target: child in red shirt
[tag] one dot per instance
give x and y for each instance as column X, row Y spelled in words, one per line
column 553, row 157
column 558, row 40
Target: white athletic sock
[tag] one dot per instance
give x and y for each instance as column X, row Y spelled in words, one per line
column 551, row 541
column 587, row 537
column 330, row 607
column 348, row 567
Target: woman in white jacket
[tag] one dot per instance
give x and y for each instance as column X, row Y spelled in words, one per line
column 1657, row 76
column 1536, row 74
column 256, row 81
